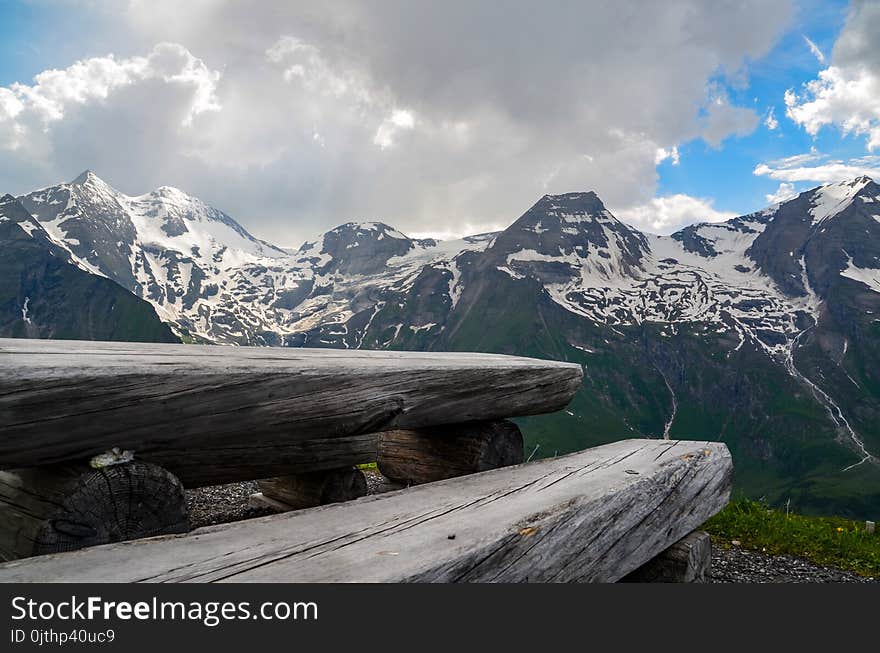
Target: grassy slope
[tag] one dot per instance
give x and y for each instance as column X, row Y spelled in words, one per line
column 830, row 541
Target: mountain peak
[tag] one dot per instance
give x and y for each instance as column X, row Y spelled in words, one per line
column 830, row 199
column 862, row 180
column 170, row 192
column 357, row 247
column 847, row 186
column 568, row 212
column 93, row 184
column 561, row 236
column 582, row 203
column 87, row 176
column 572, row 196
column 376, row 230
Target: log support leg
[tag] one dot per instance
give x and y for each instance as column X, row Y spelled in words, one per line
column 432, row 454
column 310, row 489
column 66, row 507
column 687, row 561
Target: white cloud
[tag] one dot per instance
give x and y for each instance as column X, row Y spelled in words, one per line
column 796, row 160
column 62, row 114
column 783, row 193
column 722, row 119
column 10, row 104
column 825, row 171
column 399, row 120
column 11, row 132
column 670, row 212
column 814, row 49
column 847, row 93
column 770, row 120
column 136, row 119
column 663, row 154
column 304, row 63
column 849, row 99
column 301, row 132
column 95, row 79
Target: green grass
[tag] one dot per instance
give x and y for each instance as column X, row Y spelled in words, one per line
column 831, row 541
column 368, row 466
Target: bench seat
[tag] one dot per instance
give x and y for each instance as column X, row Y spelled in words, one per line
column 594, row 515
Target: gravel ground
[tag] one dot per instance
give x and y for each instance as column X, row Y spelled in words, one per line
column 226, row 503
column 736, row 565
column 219, row 504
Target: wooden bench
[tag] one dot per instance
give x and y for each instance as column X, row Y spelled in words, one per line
column 596, row 515
column 180, row 416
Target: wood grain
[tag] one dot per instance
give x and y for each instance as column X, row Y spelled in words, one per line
column 412, row 457
column 687, row 561
column 591, row 516
column 71, row 506
column 298, row 491
column 67, row 400
column 247, row 459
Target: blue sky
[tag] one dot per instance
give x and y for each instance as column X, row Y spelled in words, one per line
column 35, row 36
column 296, row 117
column 725, row 173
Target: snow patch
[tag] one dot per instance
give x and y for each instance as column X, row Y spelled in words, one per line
column 831, row 199
column 29, row 228
column 868, row 276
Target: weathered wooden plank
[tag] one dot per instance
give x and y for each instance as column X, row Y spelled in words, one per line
column 63, row 400
column 412, row 457
column 246, row 459
column 591, row 516
column 687, row 561
column 70, row 506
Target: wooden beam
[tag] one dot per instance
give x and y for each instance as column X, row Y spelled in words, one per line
column 591, row 516
column 248, row 459
column 67, row 400
column 687, row 561
column 412, row 457
column 311, row 489
column 71, row 506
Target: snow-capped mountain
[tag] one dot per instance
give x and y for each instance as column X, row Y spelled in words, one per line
column 762, row 276
column 46, row 293
column 763, row 330
column 569, row 241
column 213, row 281
column 167, row 247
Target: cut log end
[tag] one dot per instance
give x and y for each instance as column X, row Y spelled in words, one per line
column 687, row 561
column 312, row 489
column 68, row 507
column 433, row 454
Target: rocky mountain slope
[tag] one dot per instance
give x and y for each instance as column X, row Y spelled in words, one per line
column 762, row 331
column 45, row 294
